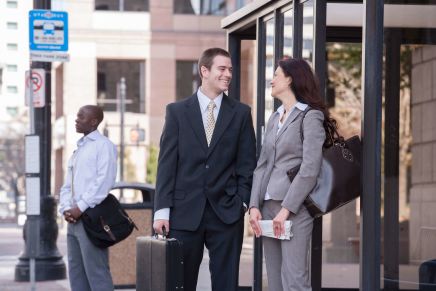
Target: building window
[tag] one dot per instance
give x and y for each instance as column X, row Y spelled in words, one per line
column 11, row 68
column 12, row 89
column 122, row 5
column 12, row 111
column 109, row 79
column 187, row 79
column 12, row 46
column 12, row 4
column 12, row 25
column 207, row 7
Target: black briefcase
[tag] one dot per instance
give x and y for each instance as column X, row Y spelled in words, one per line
column 159, row 264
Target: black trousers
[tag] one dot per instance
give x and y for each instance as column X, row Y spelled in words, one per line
column 224, row 243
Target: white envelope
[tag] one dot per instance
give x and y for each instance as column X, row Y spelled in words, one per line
column 267, row 229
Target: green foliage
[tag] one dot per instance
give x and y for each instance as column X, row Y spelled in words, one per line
column 129, row 167
column 153, row 153
column 346, row 57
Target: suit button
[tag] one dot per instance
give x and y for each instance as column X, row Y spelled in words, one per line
column 207, row 167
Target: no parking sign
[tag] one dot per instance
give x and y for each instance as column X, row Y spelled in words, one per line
column 38, row 85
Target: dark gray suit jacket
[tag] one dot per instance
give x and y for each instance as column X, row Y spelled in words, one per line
column 190, row 172
column 283, row 151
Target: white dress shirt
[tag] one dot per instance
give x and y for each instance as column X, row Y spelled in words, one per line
column 281, row 111
column 94, row 168
column 204, row 101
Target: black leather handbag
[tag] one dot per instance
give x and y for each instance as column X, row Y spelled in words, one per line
column 107, row 223
column 339, row 179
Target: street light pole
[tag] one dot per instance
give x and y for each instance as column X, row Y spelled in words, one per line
column 122, row 112
column 48, row 261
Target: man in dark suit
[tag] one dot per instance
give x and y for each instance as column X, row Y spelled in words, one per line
column 206, row 162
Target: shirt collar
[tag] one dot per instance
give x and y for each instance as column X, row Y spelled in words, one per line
column 94, row 135
column 300, row 106
column 204, row 100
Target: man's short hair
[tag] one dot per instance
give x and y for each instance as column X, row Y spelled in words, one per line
column 207, row 57
column 97, row 112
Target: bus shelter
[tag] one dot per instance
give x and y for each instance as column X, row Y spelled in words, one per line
column 376, row 62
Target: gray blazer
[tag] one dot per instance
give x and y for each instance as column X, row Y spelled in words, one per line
column 284, row 150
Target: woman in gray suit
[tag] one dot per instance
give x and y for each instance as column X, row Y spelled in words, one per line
column 273, row 196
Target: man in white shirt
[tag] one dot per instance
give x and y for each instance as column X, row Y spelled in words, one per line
column 91, row 174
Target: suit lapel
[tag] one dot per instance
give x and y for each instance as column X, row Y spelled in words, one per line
column 193, row 114
column 288, row 121
column 225, row 116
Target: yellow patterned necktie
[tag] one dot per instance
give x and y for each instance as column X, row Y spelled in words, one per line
column 210, row 121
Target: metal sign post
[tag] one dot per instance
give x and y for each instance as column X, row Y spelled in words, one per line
column 48, row 42
column 32, row 188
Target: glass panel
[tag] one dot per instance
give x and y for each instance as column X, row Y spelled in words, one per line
column 416, row 172
column 208, row 7
column 269, row 68
column 308, row 30
column 135, row 5
column 288, row 34
column 122, row 5
column 341, row 227
column 249, row 76
column 12, row 68
column 12, row 4
column 12, row 25
column 187, row 78
column 12, row 46
column 417, row 164
column 113, row 5
column 248, row 96
column 12, row 89
column 109, row 74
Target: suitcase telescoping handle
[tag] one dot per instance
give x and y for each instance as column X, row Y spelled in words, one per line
column 164, row 233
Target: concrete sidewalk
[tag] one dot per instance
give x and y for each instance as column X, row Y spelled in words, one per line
column 12, row 244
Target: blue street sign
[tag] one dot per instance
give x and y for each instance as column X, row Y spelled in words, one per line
column 48, row 30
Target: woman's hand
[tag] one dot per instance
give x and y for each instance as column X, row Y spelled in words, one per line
column 255, row 216
column 279, row 222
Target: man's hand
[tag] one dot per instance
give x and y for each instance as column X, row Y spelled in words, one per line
column 68, row 217
column 279, row 222
column 75, row 213
column 159, row 224
column 255, row 216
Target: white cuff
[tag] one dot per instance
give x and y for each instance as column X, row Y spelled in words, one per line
column 163, row 213
column 82, row 205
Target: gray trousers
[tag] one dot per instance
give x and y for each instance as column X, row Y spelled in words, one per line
column 287, row 261
column 88, row 265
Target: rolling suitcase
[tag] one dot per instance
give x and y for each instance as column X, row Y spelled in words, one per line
column 159, row 264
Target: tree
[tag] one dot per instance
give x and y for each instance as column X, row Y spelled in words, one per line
column 12, row 167
column 153, row 153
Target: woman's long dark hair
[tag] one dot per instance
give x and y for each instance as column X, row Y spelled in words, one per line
column 305, row 86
